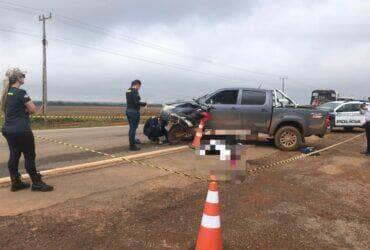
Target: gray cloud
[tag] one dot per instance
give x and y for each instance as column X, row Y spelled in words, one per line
column 146, row 12
column 320, row 43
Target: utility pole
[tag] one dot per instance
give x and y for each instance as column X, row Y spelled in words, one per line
column 283, row 83
column 43, row 18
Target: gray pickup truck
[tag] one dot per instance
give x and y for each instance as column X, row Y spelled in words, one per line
column 267, row 113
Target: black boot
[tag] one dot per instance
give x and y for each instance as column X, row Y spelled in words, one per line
column 134, row 147
column 39, row 185
column 137, row 141
column 17, row 184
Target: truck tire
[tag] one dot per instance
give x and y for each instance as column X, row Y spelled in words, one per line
column 348, row 129
column 288, row 138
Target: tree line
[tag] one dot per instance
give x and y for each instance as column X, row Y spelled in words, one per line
column 90, row 104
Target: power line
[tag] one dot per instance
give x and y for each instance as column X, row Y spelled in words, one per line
column 108, row 51
column 105, row 33
column 94, row 28
column 17, row 10
column 12, row 30
column 22, row 6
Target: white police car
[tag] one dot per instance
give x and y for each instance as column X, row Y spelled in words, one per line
column 347, row 115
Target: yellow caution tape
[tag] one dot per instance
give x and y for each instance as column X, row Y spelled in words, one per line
column 145, row 164
column 86, row 117
column 301, row 156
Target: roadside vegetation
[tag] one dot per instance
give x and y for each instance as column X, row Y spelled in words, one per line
column 54, row 123
column 112, row 113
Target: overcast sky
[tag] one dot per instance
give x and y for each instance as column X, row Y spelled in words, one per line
column 315, row 43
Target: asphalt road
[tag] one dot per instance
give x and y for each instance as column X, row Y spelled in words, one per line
column 318, row 202
column 112, row 140
column 122, row 175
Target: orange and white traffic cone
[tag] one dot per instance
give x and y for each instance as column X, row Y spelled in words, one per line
column 199, row 134
column 209, row 237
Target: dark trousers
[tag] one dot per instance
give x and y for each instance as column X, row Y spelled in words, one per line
column 21, row 143
column 154, row 136
column 133, row 117
column 367, row 126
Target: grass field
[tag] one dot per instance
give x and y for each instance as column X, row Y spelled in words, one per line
column 97, row 110
column 73, row 121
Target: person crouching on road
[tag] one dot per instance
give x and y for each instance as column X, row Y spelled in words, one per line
column 366, row 109
column 17, row 107
column 134, row 103
column 154, row 128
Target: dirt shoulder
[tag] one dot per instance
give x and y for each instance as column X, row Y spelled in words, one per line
column 318, row 202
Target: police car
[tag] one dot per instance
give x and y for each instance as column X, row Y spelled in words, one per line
column 347, row 115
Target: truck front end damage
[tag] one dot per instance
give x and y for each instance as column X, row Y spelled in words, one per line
column 182, row 118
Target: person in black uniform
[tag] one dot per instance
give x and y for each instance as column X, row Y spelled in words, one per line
column 17, row 107
column 134, row 103
column 154, row 128
column 366, row 110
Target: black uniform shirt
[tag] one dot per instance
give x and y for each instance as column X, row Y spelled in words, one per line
column 133, row 99
column 17, row 119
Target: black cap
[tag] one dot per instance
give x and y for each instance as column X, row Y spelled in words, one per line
column 134, row 82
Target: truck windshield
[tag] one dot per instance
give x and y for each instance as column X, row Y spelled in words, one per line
column 329, row 106
column 201, row 100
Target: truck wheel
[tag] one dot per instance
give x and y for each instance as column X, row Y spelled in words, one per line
column 348, row 129
column 288, row 138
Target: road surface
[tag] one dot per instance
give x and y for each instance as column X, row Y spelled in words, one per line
column 112, row 140
column 317, row 203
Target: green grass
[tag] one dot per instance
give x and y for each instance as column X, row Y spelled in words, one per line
column 38, row 123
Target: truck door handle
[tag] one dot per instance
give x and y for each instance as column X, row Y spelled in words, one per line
column 264, row 110
column 233, row 109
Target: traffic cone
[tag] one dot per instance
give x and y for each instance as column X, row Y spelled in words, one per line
column 199, row 134
column 209, row 237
